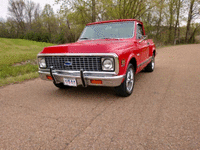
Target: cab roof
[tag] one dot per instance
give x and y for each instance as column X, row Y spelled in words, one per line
column 109, row 21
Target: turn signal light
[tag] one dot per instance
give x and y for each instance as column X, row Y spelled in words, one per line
column 96, row 81
column 49, row 77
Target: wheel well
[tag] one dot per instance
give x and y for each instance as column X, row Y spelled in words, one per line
column 134, row 63
column 154, row 53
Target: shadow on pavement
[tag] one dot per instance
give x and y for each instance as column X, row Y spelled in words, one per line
column 89, row 93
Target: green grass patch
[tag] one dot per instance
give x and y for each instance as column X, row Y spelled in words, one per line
column 14, row 51
column 19, row 78
column 13, row 71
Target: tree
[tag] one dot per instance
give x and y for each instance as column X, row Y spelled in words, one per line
column 17, row 12
column 160, row 17
column 193, row 12
column 49, row 19
column 93, row 11
column 37, row 12
column 196, row 28
column 30, row 6
column 178, row 7
column 171, row 19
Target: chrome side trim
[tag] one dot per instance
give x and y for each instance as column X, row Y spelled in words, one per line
column 144, row 62
column 115, row 56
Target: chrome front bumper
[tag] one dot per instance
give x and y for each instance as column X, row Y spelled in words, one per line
column 109, row 79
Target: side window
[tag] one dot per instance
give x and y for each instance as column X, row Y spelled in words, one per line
column 140, row 32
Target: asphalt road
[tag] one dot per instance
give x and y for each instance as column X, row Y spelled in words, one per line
column 162, row 113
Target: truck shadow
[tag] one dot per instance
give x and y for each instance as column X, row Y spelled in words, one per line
column 105, row 93
column 94, row 92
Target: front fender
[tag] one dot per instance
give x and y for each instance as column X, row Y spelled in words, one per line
column 122, row 69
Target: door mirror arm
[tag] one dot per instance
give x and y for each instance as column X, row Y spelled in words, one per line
column 143, row 38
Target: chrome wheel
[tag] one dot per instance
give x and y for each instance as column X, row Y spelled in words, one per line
column 126, row 88
column 130, row 80
column 152, row 63
column 151, row 66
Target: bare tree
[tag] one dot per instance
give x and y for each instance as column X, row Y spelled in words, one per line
column 160, row 18
column 134, row 8
column 17, row 12
column 37, row 12
column 193, row 12
column 178, row 7
column 49, row 18
column 93, row 11
column 30, row 6
column 171, row 19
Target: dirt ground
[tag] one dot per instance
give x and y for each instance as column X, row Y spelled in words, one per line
column 162, row 113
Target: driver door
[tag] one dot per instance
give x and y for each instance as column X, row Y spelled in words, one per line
column 142, row 46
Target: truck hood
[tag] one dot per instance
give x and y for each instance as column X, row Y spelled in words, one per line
column 92, row 46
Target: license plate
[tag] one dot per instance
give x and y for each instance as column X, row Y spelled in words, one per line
column 70, row 82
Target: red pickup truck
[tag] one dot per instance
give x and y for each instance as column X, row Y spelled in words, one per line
column 108, row 53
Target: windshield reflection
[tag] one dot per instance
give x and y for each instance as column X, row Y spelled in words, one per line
column 116, row 30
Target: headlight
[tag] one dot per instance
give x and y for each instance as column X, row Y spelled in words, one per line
column 42, row 62
column 108, row 64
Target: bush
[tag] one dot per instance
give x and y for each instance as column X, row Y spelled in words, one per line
column 39, row 37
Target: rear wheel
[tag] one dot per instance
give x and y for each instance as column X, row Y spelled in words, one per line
column 151, row 66
column 61, row 85
column 126, row 88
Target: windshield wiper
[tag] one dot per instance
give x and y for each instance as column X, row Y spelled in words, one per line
column 84, row 38
column 110, row 38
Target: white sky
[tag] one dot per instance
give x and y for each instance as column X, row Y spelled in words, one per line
column 4, row 6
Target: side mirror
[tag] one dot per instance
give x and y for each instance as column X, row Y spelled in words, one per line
column 143, row 38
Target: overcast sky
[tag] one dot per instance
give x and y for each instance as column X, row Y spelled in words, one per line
column 4, row 6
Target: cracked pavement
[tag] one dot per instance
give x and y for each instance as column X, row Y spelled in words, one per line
column 162, row 113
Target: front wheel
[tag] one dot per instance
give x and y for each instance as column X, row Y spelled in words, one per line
column 126, row 88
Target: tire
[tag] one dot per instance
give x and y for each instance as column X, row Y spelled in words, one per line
column 61, row 86
column 126, row 88
column 151, row 66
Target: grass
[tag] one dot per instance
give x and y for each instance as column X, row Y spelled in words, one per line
column 17, row 59
column 19, row 78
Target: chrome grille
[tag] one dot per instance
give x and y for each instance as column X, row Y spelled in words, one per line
column 87, row 63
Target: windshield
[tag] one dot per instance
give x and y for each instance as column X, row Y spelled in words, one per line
column 114, row 30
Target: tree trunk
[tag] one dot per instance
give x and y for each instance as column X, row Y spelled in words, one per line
column 192, row 37
column 159, row 21
column 170, row 21
column 189, row 20
column 177, row 17
column 93, row 11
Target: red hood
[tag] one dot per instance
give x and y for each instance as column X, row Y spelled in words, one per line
column 92, row 46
